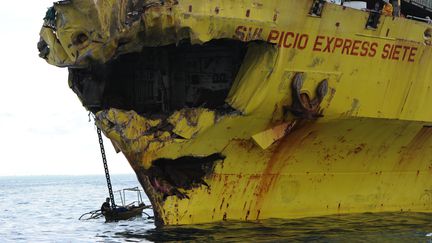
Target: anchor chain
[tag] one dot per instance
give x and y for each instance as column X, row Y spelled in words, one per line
column 105, row 163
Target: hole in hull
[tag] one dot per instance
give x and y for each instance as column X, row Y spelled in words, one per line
column 162, row 79
column 167, row 176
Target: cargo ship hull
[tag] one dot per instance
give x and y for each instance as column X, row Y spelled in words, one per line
column 255, row 109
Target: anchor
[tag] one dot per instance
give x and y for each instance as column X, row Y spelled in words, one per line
column 303, row 107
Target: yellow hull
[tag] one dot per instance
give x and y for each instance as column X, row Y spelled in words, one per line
column 362, row 145
column 344, row 166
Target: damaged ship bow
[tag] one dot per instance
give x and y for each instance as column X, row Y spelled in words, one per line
column 253, row 109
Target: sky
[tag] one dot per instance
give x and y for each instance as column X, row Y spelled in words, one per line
column 44, row 129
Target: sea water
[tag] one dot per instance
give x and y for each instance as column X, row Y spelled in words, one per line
column 46, row 209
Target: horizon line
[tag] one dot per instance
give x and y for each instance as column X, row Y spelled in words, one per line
column 70, row 175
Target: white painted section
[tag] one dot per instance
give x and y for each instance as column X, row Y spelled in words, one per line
column 356, row 4
column 351, row 4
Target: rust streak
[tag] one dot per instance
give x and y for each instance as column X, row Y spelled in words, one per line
column 411, row 151
column 281, row 153
column 223, row 200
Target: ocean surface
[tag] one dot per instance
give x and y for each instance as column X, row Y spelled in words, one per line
column 46, row 209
